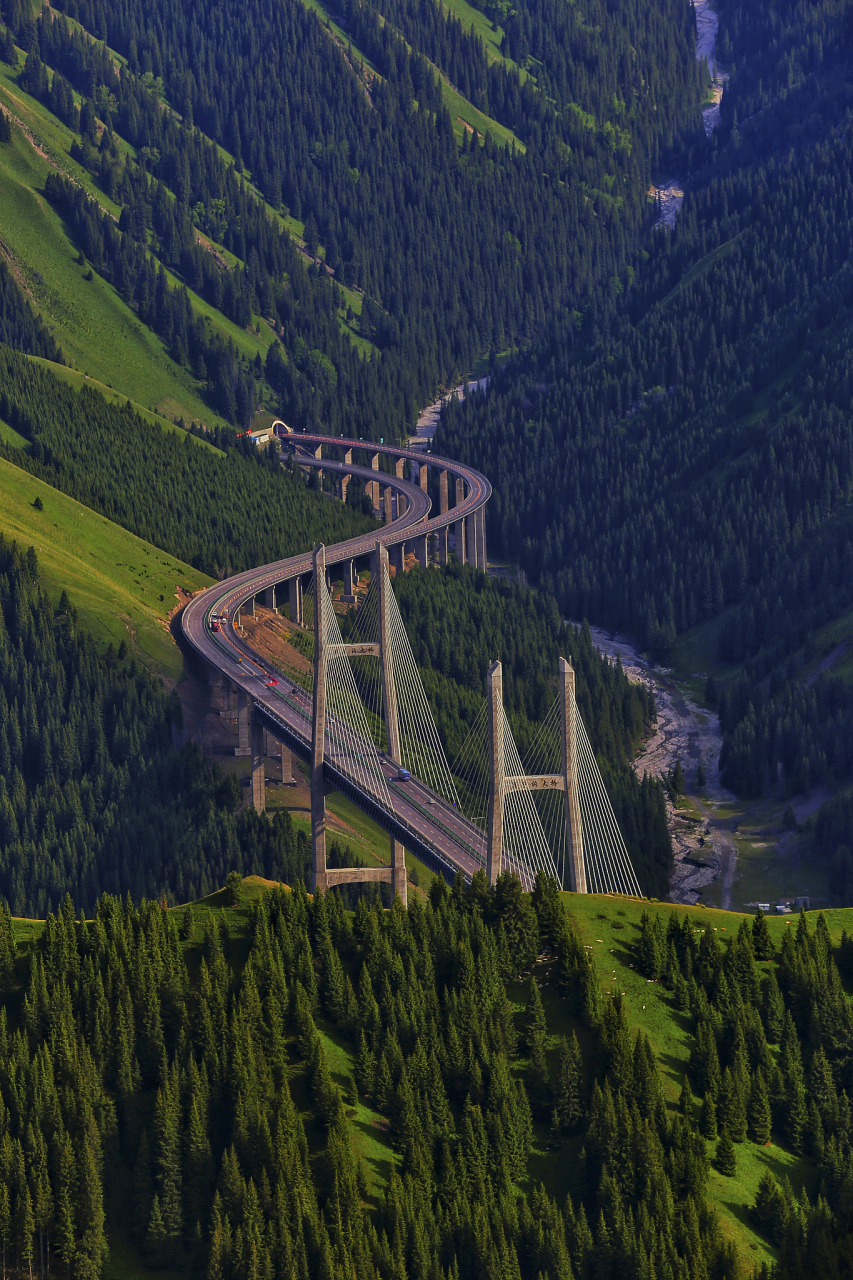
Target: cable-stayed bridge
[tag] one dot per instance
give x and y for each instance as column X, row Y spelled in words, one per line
column 355, row 710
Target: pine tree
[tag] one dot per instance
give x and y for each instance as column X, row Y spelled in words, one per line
column 762, row 943
column 568, row 1108
column 725, row 1156
column 685, row 1100
column 759, row 1109
column 708, row 1115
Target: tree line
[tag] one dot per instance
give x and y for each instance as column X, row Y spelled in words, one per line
column 202, row 1063
column 217, row 512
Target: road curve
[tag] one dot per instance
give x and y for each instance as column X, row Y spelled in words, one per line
column 427, row 825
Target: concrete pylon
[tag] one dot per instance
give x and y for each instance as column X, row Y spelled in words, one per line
column 422, row 551
column 480, row 516
column 318, row 729
column 471, row 552
column 373, row 485
column 269, row 598
column 244, row 715
column 495, row 828
column 348, row 593
column 442, row 546
column 318, row 453
column 402, row 505
column 459, row 526
column 444, row 507
column 295, row 587
column 388, row 503
column 258, row 774
column 397, row 555
column 423, row 476
column 574, row 826
column 389, row 703
column 344, row 483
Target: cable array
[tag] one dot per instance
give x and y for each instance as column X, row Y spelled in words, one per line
column 348, row 741
column 608, row 864
column 470, row 770
column 421, row 751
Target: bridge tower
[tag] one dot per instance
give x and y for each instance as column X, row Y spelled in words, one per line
column 389, row 701
column 318, row 728
column 323, row 877
column 502, row 784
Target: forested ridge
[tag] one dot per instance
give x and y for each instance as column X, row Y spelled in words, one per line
column 373, row 168
column 686, row 454
column 220, row 513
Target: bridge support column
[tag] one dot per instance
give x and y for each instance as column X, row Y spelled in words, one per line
column 344, row 483
column 442, row 547
column 471, row 540
column 373, row 485
column 442, row 492
column 495, row 828
column 459, row 526
column 574, row 826
column 397, row 556
column 318, row 453
column 480, row 516
column 423, row 476
column 244, row 715
column 348, row 594
column 421, row 551
column 388, row 503
column 258, row 775
column 295, row 586
column 389, row 702
column 318, row 729
column 253, row 606
column 402, row 505
column 399, row 884
column 286, row 766
column 400, row 468
column 269, row 598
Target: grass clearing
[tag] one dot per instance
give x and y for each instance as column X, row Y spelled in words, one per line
column 123, row 588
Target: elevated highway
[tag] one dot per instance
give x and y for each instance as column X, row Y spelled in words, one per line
column 422, row 821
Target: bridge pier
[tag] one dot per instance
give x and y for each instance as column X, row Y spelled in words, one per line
column 373, row 485
column 318, row 730
column 471, row 539
column 244, row 715
column 574, row 826
column 421, row 551
column 495, row 827
column 296, row 616
column 258, row 775
column 397, row 556
column 387, row 503
column 423, row 476
column 269, row 598
column 402, row 505
column 389, row 702
column 442, row 547
column 318, row 453
column 481, row 538
column 348, row 594
column 344, row 485
column 459, row 526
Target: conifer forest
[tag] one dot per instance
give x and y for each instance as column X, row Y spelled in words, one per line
column 623, row 233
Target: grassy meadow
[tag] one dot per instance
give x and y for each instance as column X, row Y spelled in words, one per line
column 123, row 588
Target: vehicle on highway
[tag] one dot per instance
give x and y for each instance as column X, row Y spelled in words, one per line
column 270, row 682
column 214, row 624
column 404, row 776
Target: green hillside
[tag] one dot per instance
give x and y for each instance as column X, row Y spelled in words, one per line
column 95, row 329
column 124, row 588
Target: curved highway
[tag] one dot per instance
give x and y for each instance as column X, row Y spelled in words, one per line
column 424, row 822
